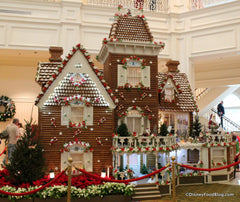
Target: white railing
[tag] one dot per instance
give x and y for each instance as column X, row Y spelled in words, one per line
column 228, row 124
column 198, row 4
column 142, row 141
column 219, row 138
column 148, row 5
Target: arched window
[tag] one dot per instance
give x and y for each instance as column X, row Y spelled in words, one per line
column 80, row 154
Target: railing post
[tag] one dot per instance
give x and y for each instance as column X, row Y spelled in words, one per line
column 173, row 178
column 69, row 179
column 6, row 161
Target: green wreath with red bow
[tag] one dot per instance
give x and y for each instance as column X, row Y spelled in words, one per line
column 8, row 110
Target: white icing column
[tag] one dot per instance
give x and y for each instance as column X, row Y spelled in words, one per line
column 156, row 165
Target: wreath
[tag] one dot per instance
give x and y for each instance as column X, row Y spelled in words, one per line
column 9, row 110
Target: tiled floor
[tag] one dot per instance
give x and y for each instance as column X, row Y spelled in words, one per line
column 225, row 192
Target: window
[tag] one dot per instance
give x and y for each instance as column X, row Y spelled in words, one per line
column 169, row 94
column 136, row 122
column 192, row 156
column 81, row 158
column 169, row 90
column 134, row 75
column 77, row 114
column 179, row 122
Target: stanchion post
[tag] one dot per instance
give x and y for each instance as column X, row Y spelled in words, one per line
column 173, row 179
column 6, row 145
column 69, row 179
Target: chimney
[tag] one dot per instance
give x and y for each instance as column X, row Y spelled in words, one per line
column 55, row 53
column 172, row 65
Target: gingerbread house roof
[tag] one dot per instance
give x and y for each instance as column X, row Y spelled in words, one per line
column 45, row 71
column 59, row 85
column 130, row 28
column 185, row 101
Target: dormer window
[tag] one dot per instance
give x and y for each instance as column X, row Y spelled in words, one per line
column 169, row 91
column 169, row 94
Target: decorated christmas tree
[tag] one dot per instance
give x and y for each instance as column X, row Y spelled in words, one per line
column 163, row 130
column 122, row 130
column 197, row 127
column 27, row 162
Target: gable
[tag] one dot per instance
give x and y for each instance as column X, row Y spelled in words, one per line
column 60, row 85
column 185, row 100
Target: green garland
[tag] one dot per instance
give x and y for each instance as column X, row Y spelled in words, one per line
column 9, row 110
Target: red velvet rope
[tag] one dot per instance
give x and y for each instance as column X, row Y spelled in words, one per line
column 3, row 151
column 237, row 156
column 33, row 191
column 210, row 169
column 120, row 181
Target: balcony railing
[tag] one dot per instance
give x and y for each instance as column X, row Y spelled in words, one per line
column 144, row 142
column 148, row 5
column 198, row 4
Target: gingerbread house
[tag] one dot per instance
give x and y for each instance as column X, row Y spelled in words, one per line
column 74, row 104
column 80, row 107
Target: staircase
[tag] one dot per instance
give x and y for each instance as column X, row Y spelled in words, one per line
column 146, row 192
column 228, row 124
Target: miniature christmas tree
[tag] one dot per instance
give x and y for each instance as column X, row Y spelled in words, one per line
column 197, row 127
column 144, row 169
column 27, row 162
column 122, row 130
column 163, row 130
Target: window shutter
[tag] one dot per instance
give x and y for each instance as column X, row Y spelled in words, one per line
column 65, row 115
column 64, row 160
column 88, row 115
column 88, row 161
column 122, row 76
column 146, row 76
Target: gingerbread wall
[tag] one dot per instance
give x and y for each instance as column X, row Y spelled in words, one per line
column 111, row 77
column 102, row 155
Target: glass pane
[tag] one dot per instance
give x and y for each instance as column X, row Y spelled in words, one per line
column 130, row 124
column 134, row 75
column 77, row 156
column 137, row 125
column 134, row 113
column 77, row 114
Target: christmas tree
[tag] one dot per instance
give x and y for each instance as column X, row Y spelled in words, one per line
column 27, row 162
column 122, row 130
column 163, row 130
column 197, row 127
